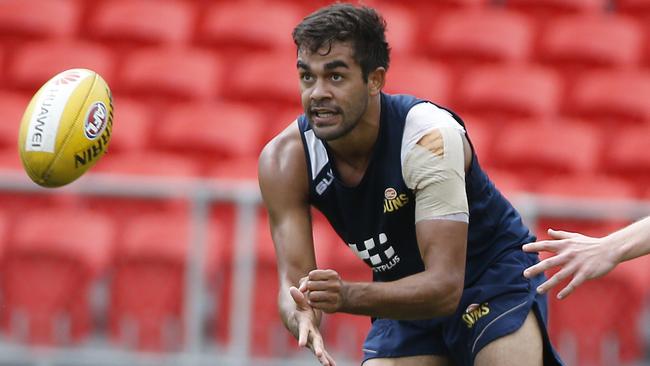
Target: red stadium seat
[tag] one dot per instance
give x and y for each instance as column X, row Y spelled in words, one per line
column 20, row 201
column 431, row 10
column 420, row 77
column 218, row 131
column 148, row 288
column 266, row 78
column 12, row 107
column 481, row 134
column 242, row 168
column 544, row 151
column 281, row 120
column 542, row 12
column 646, row 194
column 39, row 19
column 636, row 8
column 2, row 63
column 13, row 201
column 402, row 19
column 145, row 165
column 171, row 73
column 627, row 155
column 552, row 8
column 34, row 63
column 612, row 98
column 148, row 164
column 142, row 21
column 477, row 36
column 244, row 25
column 462, row 3
column 584, row 187
column 593, row 338
column 401, row 34
column 49, row 267
column 507, row 182
column 4, row 235
column 10, row 160
column 601, row 40
column 502, row 93
column 132, row 131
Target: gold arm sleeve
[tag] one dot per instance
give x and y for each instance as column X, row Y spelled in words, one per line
column 434, row 170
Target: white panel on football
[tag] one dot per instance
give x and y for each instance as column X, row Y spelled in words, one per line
column 44, row 124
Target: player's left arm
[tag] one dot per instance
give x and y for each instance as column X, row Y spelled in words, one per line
column 435, row 168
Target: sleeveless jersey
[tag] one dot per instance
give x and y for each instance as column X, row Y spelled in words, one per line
column 376, row 218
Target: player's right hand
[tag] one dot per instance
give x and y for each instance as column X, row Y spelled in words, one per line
column 307, row 320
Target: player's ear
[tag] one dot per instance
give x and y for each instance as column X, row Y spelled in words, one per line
column 376, row 79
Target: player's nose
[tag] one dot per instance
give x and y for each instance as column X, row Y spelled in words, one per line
column 320, row 91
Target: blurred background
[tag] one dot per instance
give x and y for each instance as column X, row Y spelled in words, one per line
column 161, row 254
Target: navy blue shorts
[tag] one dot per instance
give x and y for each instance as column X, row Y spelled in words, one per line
column 494, row 306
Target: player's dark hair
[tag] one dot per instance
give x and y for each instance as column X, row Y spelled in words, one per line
column 363, row 26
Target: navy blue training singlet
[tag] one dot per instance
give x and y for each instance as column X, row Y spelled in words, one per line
column 376, row 218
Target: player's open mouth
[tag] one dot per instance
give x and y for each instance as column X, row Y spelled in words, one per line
column 323, row 116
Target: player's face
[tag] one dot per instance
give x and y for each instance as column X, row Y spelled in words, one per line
column 334, row 94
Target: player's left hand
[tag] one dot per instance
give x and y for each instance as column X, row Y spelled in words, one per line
column 324, row 290
column 307, row 321
column 577, row 255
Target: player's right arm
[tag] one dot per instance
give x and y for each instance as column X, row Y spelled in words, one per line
column 584, row 257
column 283, row 180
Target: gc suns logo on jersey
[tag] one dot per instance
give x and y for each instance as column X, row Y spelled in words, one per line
column 394, row 201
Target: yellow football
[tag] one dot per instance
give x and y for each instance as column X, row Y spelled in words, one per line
column 66, row 127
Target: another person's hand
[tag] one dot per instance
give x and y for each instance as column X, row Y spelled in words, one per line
column 324, row 290
column 577, row 255
column 307, row 320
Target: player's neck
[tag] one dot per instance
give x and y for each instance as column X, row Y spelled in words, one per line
column 354, row 150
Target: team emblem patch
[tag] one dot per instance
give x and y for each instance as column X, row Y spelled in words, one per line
column 95, row 121
column 390, row 193
column 393, row 201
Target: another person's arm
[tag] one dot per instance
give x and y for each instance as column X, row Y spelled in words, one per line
column 284, row 186
column 584, row 257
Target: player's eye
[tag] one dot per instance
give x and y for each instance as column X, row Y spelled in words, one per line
column 336, row 77
column 306, row 77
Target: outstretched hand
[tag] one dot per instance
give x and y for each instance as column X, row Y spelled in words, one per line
column 308, row 319
column 577, row 255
